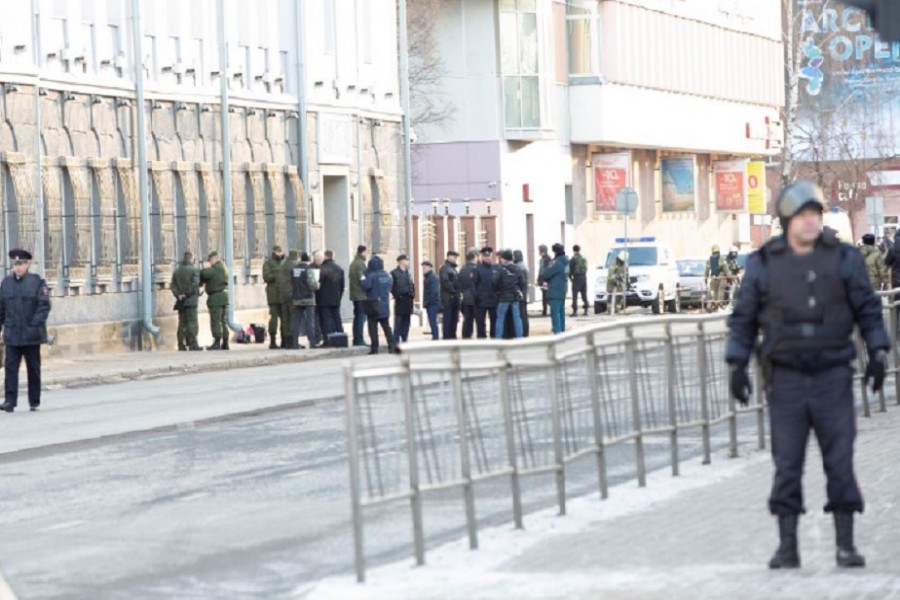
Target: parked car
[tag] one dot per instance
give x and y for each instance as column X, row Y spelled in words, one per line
column 691, row 281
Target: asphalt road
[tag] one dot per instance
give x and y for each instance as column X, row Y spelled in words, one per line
column 249, row 508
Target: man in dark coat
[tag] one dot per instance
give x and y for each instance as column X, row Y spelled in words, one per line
column 377, row 285
column 331, row 291
column 358, row 295
column 24, row 307
column 214, row 280
column 185, row 287
column 270, row 276
column 519, row 261
column 303, row 299
column 542, row 266
column 485, row 294
column 807, row 292
column 467, row 289
column 508, row 286
column 450, row 297
column 404, row 292
column 431, row 298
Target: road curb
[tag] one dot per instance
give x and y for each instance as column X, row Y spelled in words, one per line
column 51, row 383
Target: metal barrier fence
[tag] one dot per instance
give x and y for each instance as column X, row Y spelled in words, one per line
column 452, row 415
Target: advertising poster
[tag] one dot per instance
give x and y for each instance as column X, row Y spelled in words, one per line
column 756, row 187
column 730, row 188
column 679, row 185
column 611, row 174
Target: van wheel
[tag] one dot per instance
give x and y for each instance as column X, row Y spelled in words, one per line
column 674, row 305
column 659, row 303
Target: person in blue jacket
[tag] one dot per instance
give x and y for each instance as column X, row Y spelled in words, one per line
column 431, row 300
column 807, row 292
column 377, row 284
column 555, row 279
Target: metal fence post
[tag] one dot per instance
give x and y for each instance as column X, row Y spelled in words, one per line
column 670, row 388
column 415, row 495
column 636, row 407
column 895, row 352
column 465, row 466
column 556, row 417
column 353, row 458
column 703, row 369
column 598, row 420
column 510, row 440
column 760, row 407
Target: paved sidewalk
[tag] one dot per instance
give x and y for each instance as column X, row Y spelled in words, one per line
column 706, row 534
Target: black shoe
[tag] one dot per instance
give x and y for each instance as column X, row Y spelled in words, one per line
column 182, row 349
column 787, row 556
column 196, row 349
column 574, row 314
column 273, row 345
column 35, row 407
column 373, row 351
column 225, row 344
column 216, row 345
column 7, row 407
column 846, row 556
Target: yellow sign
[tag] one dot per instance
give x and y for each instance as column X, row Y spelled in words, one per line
column 756, row 187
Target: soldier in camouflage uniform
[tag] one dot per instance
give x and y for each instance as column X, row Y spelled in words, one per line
column 717, row 274
column 285, row 296
column 617, row 283
column 186, row 289
column 879, row 274
column 214, row 280
column 270, row 276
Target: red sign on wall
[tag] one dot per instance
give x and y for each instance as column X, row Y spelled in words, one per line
column 611, row 174
column 731, row 191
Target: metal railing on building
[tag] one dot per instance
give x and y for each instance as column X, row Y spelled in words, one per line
column 454, row 414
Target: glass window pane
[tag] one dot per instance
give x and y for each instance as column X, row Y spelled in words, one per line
column 581, row 58
column 531, row 102
column 508, row 5
column 508, row 46
column 528, row 52
column 511, row 103
column 527, row 5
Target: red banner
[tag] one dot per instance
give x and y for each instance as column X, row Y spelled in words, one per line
column 731, row 192
column 610, row 176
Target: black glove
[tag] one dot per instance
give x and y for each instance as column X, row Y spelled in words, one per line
column 875, row 370
column 740, row 384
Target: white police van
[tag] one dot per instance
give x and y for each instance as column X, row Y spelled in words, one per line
column 653, row 275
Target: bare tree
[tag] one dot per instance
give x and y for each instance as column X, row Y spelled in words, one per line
column 429, row 106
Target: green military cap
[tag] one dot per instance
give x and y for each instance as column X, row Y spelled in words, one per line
column 277, row 249
column 212, row 254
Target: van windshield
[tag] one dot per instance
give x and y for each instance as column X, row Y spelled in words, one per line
column 637, row 257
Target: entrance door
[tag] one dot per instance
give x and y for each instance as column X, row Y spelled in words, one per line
column 336, row 198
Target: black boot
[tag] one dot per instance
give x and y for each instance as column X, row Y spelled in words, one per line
column 272, row 344
column 847, row 556
column 7, row 407
column 225, row 343
column 216, row 345
column 786, row 557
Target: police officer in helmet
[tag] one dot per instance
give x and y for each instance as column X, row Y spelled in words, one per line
column 806, row 290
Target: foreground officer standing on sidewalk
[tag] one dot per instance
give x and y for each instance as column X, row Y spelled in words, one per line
column 214, row 280
column 806, row 290
column 24, row 307
column 185, row 287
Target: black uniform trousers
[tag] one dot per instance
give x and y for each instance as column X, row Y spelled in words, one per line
column 32, row 356
column 385, row 324
column 481, row 314
column 821, row 402
column 579, row 286
column 451, row 318
column 468, row 326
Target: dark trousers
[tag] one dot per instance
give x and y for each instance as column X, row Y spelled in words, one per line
column 401, row 328
column 274, row 318
column 32, row 355
column 331, row 320
column 187, row 328
column 468, row 327
column 822, row 402
column 359, row 323
column 481, row 314
column 523, row 310
column 303, row 321
column 451, row 319
column 432, row 312
column 579, row 286
column 385, row 327
column 545, row 302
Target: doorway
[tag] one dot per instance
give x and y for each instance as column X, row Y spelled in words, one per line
column 336, row 198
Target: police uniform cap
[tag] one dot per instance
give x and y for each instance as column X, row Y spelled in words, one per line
column 452, row 253
column 19, row 254
column 487, row 250
column 402, row 257
column 868, row 239
column 427, row 263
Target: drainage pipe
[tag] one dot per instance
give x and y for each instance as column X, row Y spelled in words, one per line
column 38, row 153
column 300, row 40
column 404, row 102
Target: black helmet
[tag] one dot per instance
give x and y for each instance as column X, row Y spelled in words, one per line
column 795, row 197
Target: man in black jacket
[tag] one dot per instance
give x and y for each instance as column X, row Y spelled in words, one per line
column 404, row 291
column 485, row 294
column 467, row 289
column 328, row 297
column 450, row 295
column 806, row 352
column 24, row 307
column 431, row 298
column 519, row 261
column 508, row 285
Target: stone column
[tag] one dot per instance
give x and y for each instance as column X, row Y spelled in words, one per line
column 212, row 192
column 300, row 197
column 52, row 182
column 131, row 219
column 261, row 234
column 106, row 242
column 187, row 175
column 79, row 176
column 275, row 177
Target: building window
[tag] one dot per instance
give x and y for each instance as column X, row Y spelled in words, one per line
column 519, row 63
column 329, row 28
column 583, row 29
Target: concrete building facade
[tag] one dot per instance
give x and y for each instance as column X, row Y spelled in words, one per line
column 552, row 97
column 72, row 182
